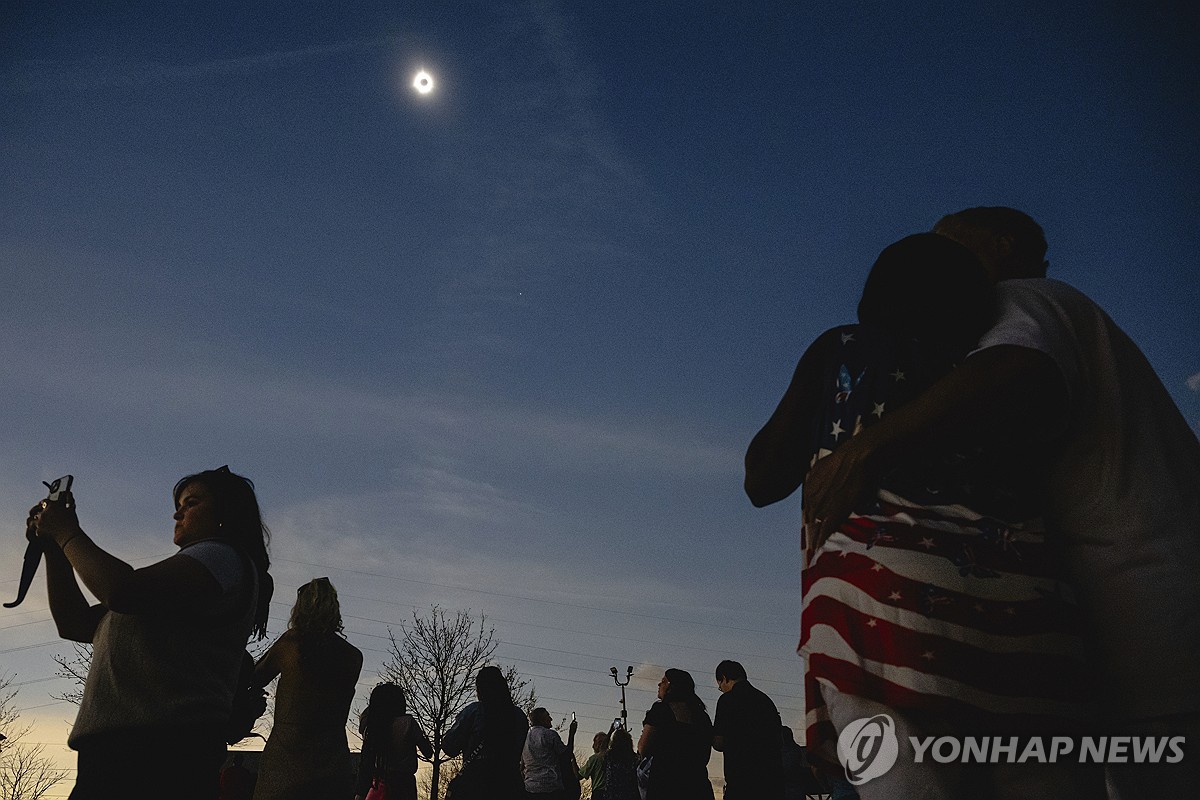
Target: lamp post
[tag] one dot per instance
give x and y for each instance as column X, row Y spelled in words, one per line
column 617, row 680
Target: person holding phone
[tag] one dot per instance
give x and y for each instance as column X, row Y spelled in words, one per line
column 546, row 759
column 167, row 639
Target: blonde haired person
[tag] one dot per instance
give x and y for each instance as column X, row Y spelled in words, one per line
column 306, row 754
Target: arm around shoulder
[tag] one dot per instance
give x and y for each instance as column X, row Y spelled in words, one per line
column 1004, row 394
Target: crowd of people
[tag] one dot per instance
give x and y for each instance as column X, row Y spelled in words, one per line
column 1000, row 535
column 168, row 671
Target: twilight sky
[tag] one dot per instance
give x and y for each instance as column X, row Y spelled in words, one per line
column 501, row 347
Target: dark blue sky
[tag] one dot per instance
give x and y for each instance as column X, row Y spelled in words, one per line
column 515, row 335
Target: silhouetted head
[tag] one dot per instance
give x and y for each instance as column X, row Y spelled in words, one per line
column 600, row 742
column 730, row 670
column 492, row 687
column 317, row 610
column 235, row 518
column 1008, row 242
column 540, row 718
column 930, row 288
column 620, row 746
column 679, row 688
column 386, row 703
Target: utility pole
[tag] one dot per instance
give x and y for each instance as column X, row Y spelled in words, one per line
column 617, row 680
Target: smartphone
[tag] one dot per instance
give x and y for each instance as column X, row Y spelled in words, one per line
column 572, row 716
column 33, row 550
column 58, row 487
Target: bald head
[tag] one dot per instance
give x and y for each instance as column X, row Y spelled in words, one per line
column 1008, row 242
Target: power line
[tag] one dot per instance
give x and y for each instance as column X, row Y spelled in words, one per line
column 533, row 599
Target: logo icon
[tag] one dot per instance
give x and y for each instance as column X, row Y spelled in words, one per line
column 868, row 748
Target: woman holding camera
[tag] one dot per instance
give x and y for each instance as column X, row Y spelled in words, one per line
column 167, row 639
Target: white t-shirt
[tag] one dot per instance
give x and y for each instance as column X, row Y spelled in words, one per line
column 155, row 673
column 1124, row 494
column 543, row 746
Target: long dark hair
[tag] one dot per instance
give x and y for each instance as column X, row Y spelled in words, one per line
column 387, row 702
column 494, row 694
column 620, row 747
column 682, row 689
column 492, row 687
column 240, row 524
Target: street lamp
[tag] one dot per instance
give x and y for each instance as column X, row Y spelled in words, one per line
column 617, row 680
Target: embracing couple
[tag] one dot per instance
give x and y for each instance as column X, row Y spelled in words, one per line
column 1001, row 522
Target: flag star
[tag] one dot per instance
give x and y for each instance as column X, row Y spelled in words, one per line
column 838, row 430
column 844, row 554
column 847, row 337
column 897, row 375
column 877, row 568
column 878, row 412
column 894, row 596
column 927, row 655
column 871, row 623
column 927, row 543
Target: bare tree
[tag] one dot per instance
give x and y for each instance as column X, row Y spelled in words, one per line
column 75, row 667
column 435, row 661
column 26, row 773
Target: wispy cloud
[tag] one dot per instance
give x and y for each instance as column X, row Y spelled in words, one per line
column 281, row 405
column 32, row 76
column 543, row 173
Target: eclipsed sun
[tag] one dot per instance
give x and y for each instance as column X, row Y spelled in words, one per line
column 423, row 82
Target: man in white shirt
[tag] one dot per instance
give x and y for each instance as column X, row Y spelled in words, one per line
column 543, row 757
